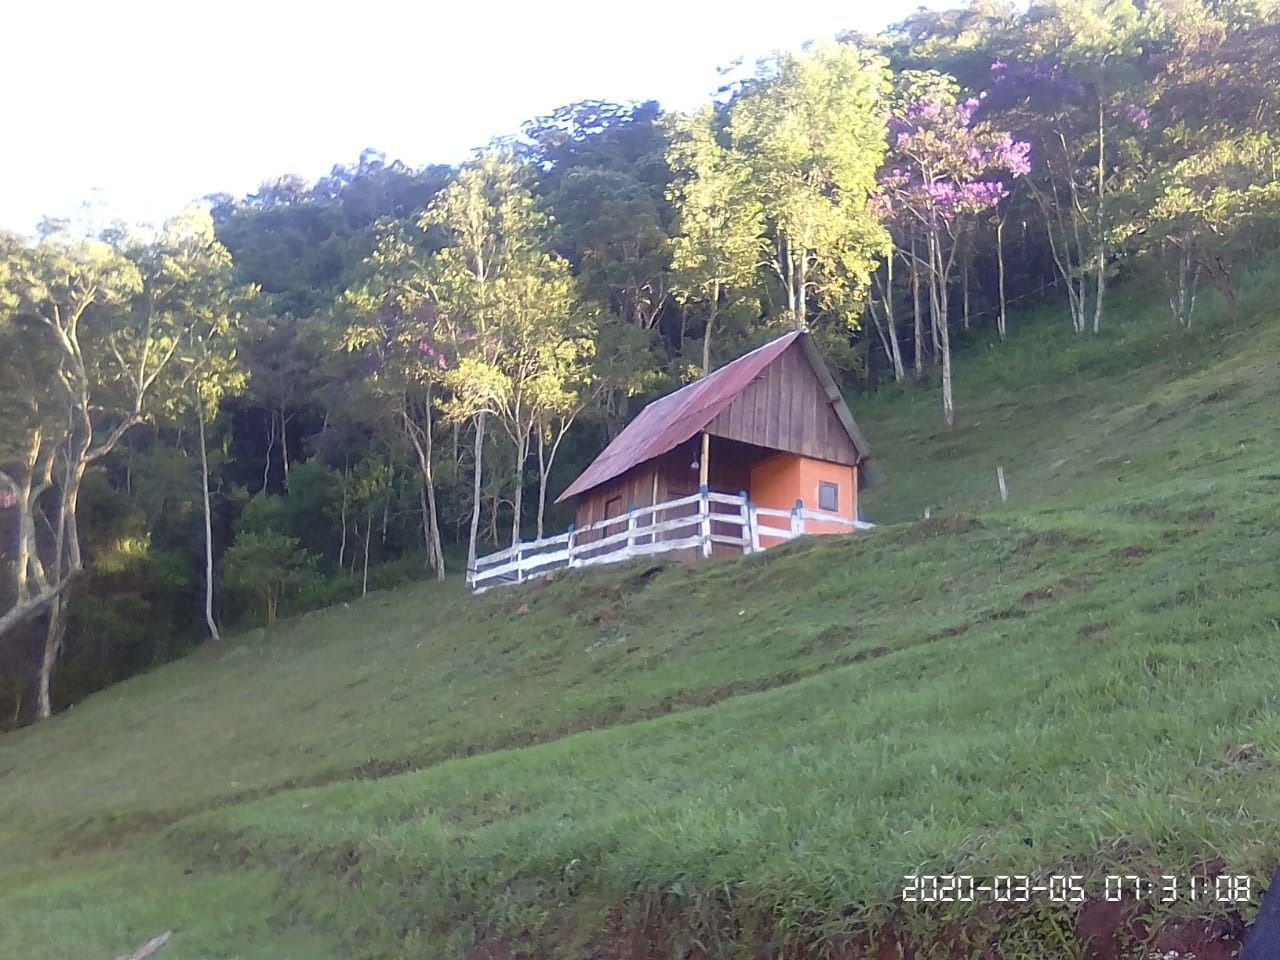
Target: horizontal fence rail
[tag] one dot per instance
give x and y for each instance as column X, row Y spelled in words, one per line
column 695, row 523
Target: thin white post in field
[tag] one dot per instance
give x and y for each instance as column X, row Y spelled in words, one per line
column 572, row 536
column 744, row 513
column 797, row 520
column 704, row 515
column 1004, row 490
column 631, row 528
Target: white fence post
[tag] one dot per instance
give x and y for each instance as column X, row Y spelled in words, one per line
column 704, row 512
column 519, row 555
column 744, row 512
column 572, row 536
column 797, row 520
column 631, row 528
column 755, row 528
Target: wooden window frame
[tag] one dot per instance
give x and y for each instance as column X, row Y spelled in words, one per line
column 823, row 486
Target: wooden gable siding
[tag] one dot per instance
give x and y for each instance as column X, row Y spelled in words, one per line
column 786, row 408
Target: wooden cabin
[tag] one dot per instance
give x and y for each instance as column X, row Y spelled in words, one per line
column 772, row 424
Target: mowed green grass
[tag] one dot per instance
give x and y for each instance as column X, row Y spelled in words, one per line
column 1083, row 679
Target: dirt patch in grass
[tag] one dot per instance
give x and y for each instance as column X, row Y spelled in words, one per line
column 110, row 833
column 1050, row 540
column 1009, row 613
column 1093, row 629
column 1042, row 595
column 1132, row 553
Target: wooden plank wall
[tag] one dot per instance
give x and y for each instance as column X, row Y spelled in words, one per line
column 667, row 478
column 786, row 408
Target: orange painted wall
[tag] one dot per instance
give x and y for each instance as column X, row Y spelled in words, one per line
column 780, row 481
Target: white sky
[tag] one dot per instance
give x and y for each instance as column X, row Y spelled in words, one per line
column 141, row 106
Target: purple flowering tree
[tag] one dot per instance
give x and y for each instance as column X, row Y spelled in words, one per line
column 947, row 168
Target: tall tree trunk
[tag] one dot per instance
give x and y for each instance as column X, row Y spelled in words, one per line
column 938, row 309
column 517, row 502
column 1000, row 317
column 475, row 494
column 271, row 445
column 368, row 540
column 54, row 626
column 423, row 440
column 284, row 445
column 342, row 545
column 802, row 291
column 892, row 347
column 66, row 560
column 917, row 308
column 428, row 532
column 786, row 271
column 386, row 502
column 208, row 528
column 964, row 296
column 542, row 482
column 937, row 305
column 55, row 630
column 712, row 311
column 1101, row 282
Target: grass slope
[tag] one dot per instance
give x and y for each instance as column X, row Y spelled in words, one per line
column 744, row 752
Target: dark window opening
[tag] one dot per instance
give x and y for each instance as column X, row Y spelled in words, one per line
column 828, row 496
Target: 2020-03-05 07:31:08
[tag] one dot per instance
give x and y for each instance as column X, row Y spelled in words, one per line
column 1021, row 888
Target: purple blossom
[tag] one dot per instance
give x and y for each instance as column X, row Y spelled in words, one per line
column 998, row 67
column 1012, row 155
column 981, row 194
column 1139, row 115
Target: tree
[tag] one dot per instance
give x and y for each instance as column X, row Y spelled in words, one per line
column 391, row 321
column 197, row 271
column 1197, row 211
column 510, row 307
column 602, row 176
column 719, row 243
column 266, row 565
column 367, row 488
column 104, row 332
column 812, row 129
column 1071, row 93
column 942, row 178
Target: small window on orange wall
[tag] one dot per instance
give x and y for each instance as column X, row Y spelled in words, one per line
column 828, row 496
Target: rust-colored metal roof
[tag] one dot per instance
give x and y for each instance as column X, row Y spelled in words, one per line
column 669, row 421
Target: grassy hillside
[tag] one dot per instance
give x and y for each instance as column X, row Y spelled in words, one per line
column 742, row 753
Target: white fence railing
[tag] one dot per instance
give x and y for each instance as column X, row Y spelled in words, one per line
column 697, row 522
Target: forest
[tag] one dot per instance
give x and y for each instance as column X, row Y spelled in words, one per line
column 281, row 401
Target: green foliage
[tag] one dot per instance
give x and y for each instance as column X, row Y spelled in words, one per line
column 748, row 750
column 720, row 241
column 266, row 566
column 812, row 130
